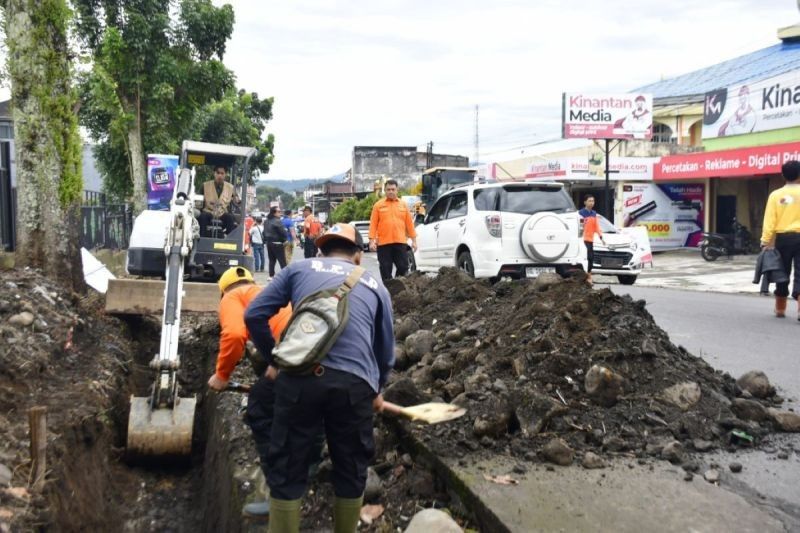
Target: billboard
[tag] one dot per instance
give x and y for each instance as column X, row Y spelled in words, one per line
column 583, row 169
column 673, row 214
column 161, row 170
column 607, row 116
column 764, row 105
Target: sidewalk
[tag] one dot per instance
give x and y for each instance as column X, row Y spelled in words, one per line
column 687, row 270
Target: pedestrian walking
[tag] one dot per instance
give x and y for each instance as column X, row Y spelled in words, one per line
column 390, row 228
column 340, row 394
column 239, row 289
column 591, row 227
column 257, row 243
column 781, row 231
column 275, row 233
column 288, row 223
column 311, row 230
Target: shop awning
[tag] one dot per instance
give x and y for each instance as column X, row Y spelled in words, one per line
column 741, row 162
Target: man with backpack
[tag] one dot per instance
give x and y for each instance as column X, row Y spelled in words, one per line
column 339, row 392
column 312, row 228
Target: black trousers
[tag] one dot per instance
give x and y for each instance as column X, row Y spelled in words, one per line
column 393, row 255
column 337, row 401
column 309, row 248
column 788, row 245
column 205, row 218
column 589, row 255
column 276, row 252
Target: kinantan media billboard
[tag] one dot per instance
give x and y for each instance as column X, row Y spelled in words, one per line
column 607, row 116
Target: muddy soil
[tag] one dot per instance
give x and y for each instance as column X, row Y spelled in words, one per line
column 518, row 356
column 59, row 350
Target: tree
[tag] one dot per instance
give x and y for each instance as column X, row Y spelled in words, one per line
column 47, row 144
column 354, row 209
column 266, row 194
column 149, row 77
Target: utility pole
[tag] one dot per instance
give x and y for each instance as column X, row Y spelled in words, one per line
column 477, row 137
column 429, row 156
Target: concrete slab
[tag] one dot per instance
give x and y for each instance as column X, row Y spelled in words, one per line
column 618, row 499
column 146, row 296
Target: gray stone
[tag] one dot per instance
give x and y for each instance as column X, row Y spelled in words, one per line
column 749, row 410
column 400, row 357
column 442, row 367
column 454, row 388
column 673, row 452
column 454, row 335
column 499, row 387
column 703, row 445
column 592, row 460
column 432, row 520
column 419, row 343
column 756, row 383
column 405, row 327
column 682, row 395
column 603, row 385
column 520, row 366
column 374, row 488
column 23, row 319
column 493, row 424
column 558, row 452
column 712, row 476
column 482, row 359
column 547, row 279
column 5, row 476
column 649, row 348
column 785, row 420
column 735, row 467
column 478, row 382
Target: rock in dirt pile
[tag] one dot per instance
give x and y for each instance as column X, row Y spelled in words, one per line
column 554, row 370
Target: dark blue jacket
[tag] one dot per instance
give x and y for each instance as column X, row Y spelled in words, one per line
column 770, row 265
column 365, row 347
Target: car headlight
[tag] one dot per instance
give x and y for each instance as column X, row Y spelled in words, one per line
column 634, row 246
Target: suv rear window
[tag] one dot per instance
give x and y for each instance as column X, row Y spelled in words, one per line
column 526, row 199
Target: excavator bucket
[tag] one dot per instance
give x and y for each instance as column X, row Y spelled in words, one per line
column 162, row 432
column 146, row 296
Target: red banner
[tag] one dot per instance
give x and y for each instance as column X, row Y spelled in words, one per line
column 754, row 161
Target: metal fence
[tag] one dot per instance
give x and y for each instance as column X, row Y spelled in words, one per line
column 104, row 225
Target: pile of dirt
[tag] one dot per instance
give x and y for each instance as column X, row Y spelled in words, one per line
column 552, row 369
column 60, row 351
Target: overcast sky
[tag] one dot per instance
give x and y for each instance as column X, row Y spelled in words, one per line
column 390, row 72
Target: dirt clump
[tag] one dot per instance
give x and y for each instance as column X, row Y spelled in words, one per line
column 560, row 364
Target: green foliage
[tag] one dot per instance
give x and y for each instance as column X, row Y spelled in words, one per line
column 152, row 72
column 266, row 194
column 354, row 209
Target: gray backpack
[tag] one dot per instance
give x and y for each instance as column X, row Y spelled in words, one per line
column 317, row 321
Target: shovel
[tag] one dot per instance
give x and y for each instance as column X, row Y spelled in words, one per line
column 431, row 413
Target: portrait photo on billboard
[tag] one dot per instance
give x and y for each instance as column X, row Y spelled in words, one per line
column 607, row 116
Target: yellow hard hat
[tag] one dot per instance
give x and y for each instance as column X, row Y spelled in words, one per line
column 232, row 275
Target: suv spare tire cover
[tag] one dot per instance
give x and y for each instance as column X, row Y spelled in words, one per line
column 545, row 237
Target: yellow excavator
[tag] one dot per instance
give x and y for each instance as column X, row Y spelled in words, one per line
column 168, row 245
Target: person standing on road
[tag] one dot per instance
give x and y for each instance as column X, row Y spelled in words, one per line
column 288, row 223
column 591, row 226
column 340, row 395
column 782, row 232
column 311, row 230
column 390, row 228
column 257, row 243
column 239, row 289
column 275, row 232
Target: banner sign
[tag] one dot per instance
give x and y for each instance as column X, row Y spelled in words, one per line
column 727, row 163
column 581, row 169
column 161, row 170
column 625, row 168
column 764, row 105
column 559, row 169
column 607, row 116
column 673, row 214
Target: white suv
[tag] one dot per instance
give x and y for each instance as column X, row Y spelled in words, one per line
column 502, row 229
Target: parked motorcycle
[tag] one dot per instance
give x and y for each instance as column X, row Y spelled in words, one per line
column 740, row 241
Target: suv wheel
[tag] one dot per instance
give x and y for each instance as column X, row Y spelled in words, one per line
column 464, row 263
column 545, row 237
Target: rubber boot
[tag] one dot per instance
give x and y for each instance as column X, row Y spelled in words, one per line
column 346, row 512
column 780, row 306
column 284, row 515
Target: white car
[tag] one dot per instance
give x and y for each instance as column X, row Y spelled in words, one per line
column 624, row 253
column 502, row 229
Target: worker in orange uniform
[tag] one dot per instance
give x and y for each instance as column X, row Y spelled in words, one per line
column 390, row 228
column 238, row 289
column 591, row 226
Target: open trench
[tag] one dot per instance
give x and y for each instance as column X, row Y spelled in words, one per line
column 100, row 491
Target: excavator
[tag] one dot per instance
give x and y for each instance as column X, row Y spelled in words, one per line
column 168, row 245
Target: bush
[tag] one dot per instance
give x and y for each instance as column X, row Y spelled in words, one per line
column 354, row 209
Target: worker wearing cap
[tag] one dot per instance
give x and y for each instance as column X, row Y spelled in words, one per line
column 340, row 395
column 390, row 228
column 238, row 289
